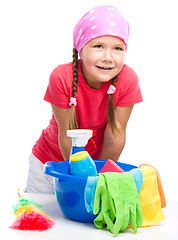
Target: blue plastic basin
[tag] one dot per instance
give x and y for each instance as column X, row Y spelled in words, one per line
column 70, row 189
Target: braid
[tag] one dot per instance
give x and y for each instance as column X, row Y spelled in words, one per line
column 114, row 80
column 113, row 122
column 73, row 121
column 75, row 72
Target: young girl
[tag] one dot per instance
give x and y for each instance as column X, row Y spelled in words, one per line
column 96, row 91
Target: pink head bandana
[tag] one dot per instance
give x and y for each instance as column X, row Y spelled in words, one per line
column 100, row 21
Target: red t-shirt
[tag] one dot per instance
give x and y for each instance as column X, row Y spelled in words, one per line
column 91, row 109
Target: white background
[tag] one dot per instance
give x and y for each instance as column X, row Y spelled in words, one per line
column 36, row 36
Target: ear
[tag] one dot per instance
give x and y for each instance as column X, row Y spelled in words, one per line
column 81, row 55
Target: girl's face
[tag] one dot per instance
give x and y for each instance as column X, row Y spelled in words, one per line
column 102, row 59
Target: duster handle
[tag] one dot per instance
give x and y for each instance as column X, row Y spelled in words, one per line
column 20, row 193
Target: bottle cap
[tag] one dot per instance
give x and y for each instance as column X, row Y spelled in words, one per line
column 79, row 156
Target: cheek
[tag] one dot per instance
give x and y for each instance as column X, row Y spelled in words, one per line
column 89, row 60
column 120, row 60
column 89, row 56
column 123, row 58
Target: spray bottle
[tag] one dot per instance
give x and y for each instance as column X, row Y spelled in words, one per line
column 80, row 138
column 81, row 164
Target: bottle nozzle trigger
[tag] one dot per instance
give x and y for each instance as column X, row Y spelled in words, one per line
column 91, row 141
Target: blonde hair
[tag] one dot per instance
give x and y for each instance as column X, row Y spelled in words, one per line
column 112, row 120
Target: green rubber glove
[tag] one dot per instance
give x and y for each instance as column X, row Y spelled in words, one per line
column 106, row 215
column 120, row 202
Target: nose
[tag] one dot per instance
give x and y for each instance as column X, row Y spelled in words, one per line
column 107, row 55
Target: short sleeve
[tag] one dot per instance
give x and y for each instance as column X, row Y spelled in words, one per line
column 129, row 89
column 58, row 92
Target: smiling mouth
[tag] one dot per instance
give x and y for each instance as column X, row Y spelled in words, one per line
column 104, row 68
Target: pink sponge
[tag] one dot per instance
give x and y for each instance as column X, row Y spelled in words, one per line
column 111, row 166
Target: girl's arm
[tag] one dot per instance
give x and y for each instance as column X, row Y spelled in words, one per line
column 62, row 118
column 112, row 147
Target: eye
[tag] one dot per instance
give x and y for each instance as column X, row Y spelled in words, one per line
column 98, row 46
column 118, row 48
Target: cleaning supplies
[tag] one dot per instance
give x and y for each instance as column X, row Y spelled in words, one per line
column 91, row 184
column 30, row 216
column 111, row 166
column 159, row 182
column 117, row 195
column 138, row 178
column 80, row 138
column 81, row 164
column 150, row 199
column 89, row 193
